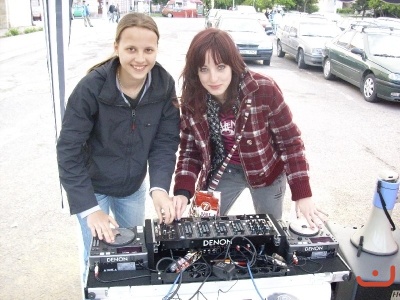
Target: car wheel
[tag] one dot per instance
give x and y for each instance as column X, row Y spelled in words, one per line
column 300, row 59
column 169, row 15
column 369, row 88
column 266, row 62
column 279, row 50
column 327, row 69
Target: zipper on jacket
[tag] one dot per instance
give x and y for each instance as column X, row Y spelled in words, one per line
column 133, row 119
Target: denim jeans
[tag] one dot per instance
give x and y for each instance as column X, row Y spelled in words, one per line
column 266, row 200
column 128, row 212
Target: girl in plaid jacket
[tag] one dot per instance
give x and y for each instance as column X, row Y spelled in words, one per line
column 215, row 89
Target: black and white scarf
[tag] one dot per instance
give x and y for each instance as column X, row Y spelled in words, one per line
column 218, row 150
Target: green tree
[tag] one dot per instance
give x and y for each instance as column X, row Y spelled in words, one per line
column 207, row 5
column 225, row 4
column 384, row 9
column 259, row 5
column 361, row 6
column 308, row 6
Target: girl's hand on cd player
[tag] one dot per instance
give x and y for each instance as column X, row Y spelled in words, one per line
column 314, row 217
column 99, row 224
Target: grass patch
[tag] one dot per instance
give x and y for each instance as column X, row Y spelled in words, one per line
column 32, row 29
column 13, row 31
column 16, row 31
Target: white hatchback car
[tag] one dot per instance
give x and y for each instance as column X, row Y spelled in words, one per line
column 249, row 36
column 304, row 37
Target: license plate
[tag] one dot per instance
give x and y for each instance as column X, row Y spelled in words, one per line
column 254, row 52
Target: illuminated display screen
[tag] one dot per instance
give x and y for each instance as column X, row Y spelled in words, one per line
column 126, row 250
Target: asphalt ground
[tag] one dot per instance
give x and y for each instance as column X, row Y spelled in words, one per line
column 39, row 245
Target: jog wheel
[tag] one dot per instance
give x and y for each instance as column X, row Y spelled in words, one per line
column 300, row 227
column 123, row 236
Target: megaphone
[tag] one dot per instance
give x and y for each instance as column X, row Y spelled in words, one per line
column 376, row 237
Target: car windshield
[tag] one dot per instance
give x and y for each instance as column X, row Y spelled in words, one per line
column 240, row 25
column 319, row 30
column 212, row 13
column 384, row 45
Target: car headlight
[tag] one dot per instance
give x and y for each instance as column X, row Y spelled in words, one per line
column 394, row 77
column 316, row 51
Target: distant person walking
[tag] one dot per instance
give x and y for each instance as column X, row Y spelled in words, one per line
column 111, row 12
column 86, row 14
column 267, row 14
column 277, row 19
column 105, row 11
column 117, row 14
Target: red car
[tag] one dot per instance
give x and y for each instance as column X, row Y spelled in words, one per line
column 180, row 9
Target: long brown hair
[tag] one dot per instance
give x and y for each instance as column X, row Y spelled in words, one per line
column 131, row 20
column 223, row 50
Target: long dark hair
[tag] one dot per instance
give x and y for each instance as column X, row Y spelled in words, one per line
column 131, row 20
column 223, row 50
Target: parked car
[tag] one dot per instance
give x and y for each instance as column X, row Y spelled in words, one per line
column 368, row 57
column 390, row 22
column 347, row 22
column 77, row 11
column 37, row 13
column 333, row 17
column 179, row 12
column 304, row 38
column 210, row 19
column 248, row 9
column 182, row 9
column 221, row 12
column 262, row 18
column 248, row 35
